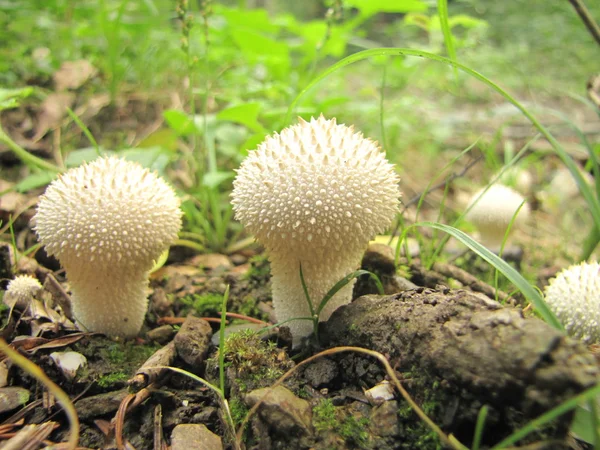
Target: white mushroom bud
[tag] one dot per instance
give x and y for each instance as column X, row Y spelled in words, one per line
column 107, row 221
column 21, row 291
column 574, row 296
column 492, row 212
column 315, row 194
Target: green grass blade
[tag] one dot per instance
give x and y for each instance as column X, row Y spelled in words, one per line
column 222, row 340
column 344, row 281
column 540, row 421
column 448, row 39
column 530, row 293
column 586, row 191
column 481, row 416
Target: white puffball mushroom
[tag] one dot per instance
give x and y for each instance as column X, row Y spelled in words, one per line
column 21, row 291
column 314, row 194
column 574, row 296
column 492, row 212
column 107, row 221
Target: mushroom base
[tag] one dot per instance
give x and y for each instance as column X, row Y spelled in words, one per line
column 289, row 300
column 109, row 302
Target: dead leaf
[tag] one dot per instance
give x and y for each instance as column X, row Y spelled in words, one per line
column 73, row 74
column 52, row 111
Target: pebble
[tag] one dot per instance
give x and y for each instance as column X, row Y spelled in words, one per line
column 283, row 410
column 192, row 340
column 12, row 398
column 194, row 436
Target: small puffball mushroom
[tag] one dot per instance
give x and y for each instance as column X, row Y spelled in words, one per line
column 21, row 291
column 315, row 194
column 107, row 221
column 574, row 296
column 492, row 212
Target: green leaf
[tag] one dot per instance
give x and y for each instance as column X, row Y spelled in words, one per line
column 214, row 179
column 35, row 180
column 11, row 98
column 83, row 155
column 583, row 425
column 245, row 114
column 153, row 158
column 371, row 7
column 180, row 122
column 257, row 19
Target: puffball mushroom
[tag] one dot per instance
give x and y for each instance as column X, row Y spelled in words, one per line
column 107, row 221
column 574, row 296
column 21, row 291
column 492, row 211
column 315, row 194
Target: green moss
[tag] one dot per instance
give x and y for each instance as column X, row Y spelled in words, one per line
column 238, row 410
column 111, row 379
column 202, row 305
column 260, row 270
column 324, row 416
column 353, row 430
column 128, row 353
column 256, row 363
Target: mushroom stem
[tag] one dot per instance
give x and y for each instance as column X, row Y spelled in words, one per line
column 119, row 293
column 289, row 300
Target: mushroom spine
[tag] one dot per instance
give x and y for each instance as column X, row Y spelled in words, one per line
column 107, row 221
column 314, row 194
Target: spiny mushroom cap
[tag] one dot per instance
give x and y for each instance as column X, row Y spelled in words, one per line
column 496, row 207
column 574, row 296
column 316, row 184
column 109, row 212
column 23, row 288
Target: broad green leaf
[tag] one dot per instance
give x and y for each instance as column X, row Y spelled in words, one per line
column 257, row 19
column 214, row 179
column 35, row 180
column 583, row 425
column 180, row 122
column 245, row 114
column 10, row 98
column 371, row 7
column 153, row 158
column 83, row 155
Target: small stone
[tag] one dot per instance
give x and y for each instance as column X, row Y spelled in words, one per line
column 321, row 372
column 162, row 334
column 12, row 397
column 100, row 405
column 384, row 419
column 238, row 259
column 69, row 363
column 210, row 261
column 282, row 410
column 380, row 393
column 192, row 340
column 194, row 436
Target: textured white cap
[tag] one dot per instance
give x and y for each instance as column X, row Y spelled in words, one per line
column 21, row 290
column 492, row 211
column 316, row 193
column 574, row 296
column 107, row 221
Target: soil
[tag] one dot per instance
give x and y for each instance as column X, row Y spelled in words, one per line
column 453, row 350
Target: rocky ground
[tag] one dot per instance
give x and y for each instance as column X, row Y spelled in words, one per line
column 451, row 351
